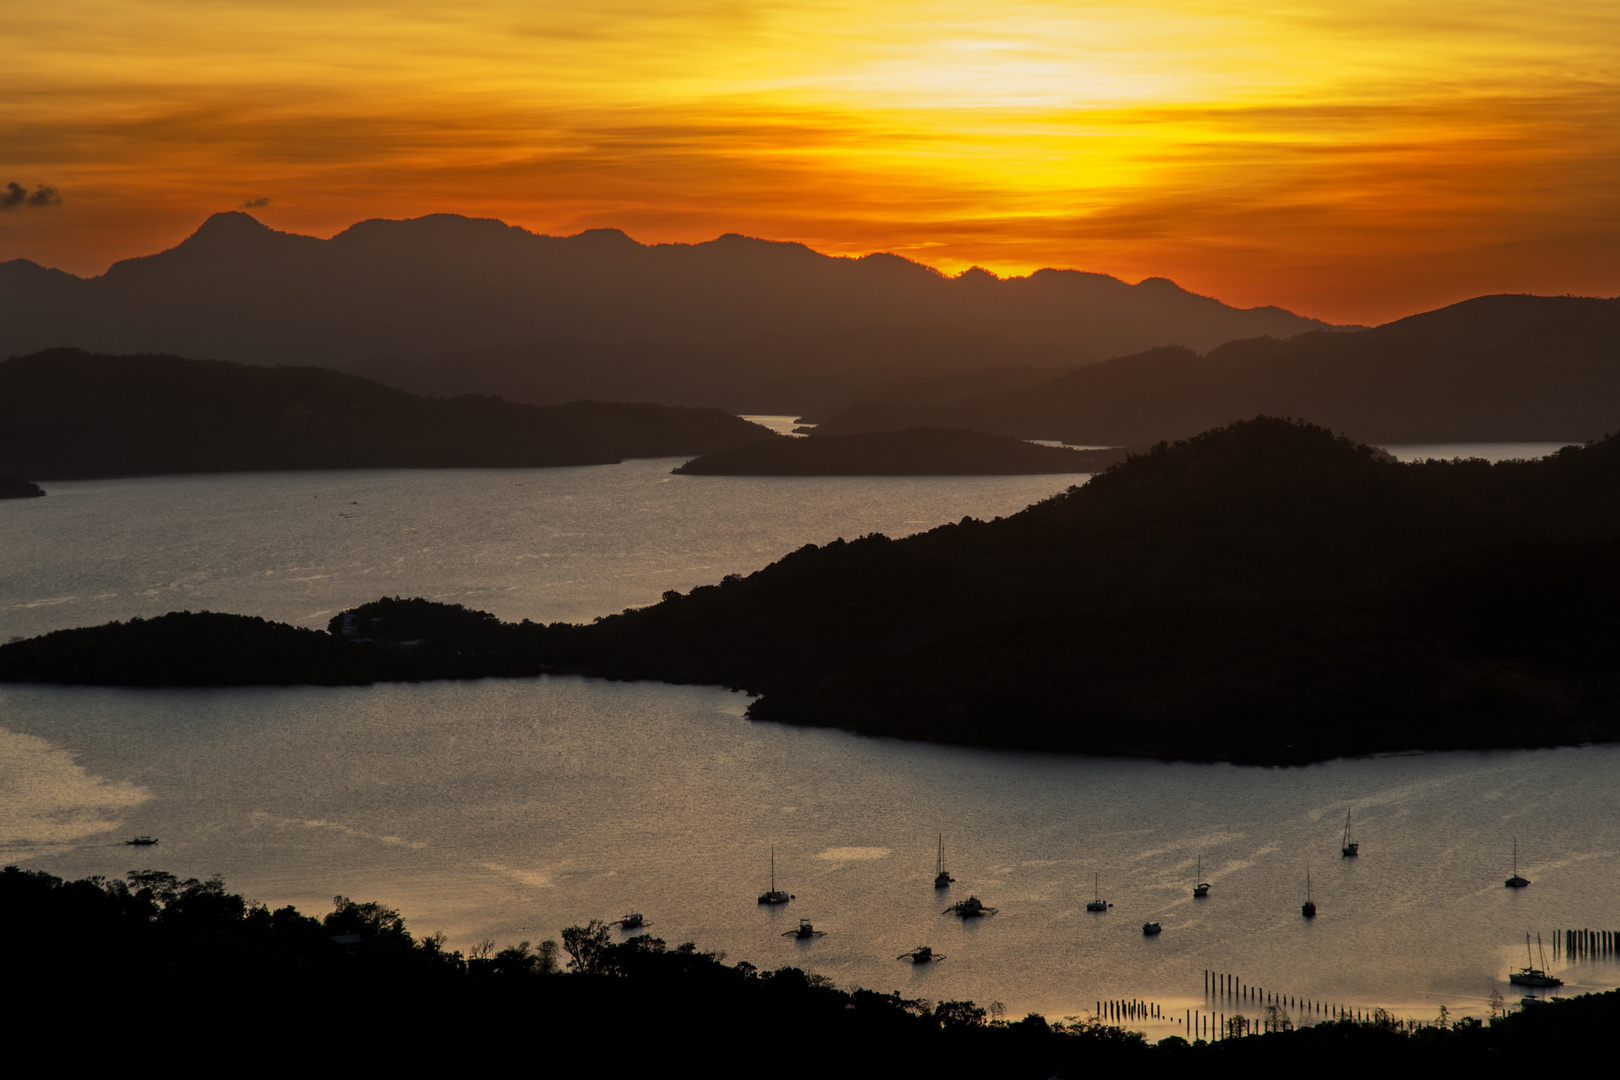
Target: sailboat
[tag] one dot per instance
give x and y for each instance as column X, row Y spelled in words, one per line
column 1534, row 976
column 1096, row 903
column 1350, row 849
column 1516, row 882
column 942, row 876
column 1308, row 908
column 1200, row 886
column 775, row 895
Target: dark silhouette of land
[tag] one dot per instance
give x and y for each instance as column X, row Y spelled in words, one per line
column 914, row 452
column 1497, row 368
column 1264, row 593
column 449, row 305
column 12, row 487
column 66, row 414
column 216, row 972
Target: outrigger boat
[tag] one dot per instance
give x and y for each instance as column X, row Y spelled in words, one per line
column 1516, row 882
column 805, row 930
column 922, row 954
column 969, row 908
column 1096, row 903
column 774, row 895
column 1350, row 849
column 1200, row 886
column 633, row 921
column 1534, row 976
column 942, row 876
column 1308, row 908
column 142, row 841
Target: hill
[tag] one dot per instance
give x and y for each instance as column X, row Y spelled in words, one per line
column 914, row 452
column 617, row 318
column 66, row 414
column 1266, row 593
column 1497, row 368
column 13, row 488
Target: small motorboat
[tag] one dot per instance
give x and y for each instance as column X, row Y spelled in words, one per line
column 1150, row 928
column 922, row 954
column 141, row 841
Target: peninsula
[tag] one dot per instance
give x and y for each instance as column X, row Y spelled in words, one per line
column 914, row 452
column 1265, row 593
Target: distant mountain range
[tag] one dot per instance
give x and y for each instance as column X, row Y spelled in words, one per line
column 66, row 414
column 1534, row 368
column 451, row 305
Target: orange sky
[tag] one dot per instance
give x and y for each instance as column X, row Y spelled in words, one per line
column 1355, row 160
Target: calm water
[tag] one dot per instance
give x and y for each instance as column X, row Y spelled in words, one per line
column 508, row 809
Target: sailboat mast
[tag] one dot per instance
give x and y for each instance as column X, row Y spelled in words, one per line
column 773, row 868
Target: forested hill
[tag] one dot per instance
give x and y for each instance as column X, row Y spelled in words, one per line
column 1496, row 368
column 1263, row 592
column 66, row 414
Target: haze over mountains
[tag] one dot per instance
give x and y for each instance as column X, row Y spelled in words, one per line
column 1496, row 368
column 446, row 304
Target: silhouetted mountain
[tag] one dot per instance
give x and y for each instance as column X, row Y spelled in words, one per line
column 13, row 488
column 1494, row 368
column 713, row 313
column 67, row 414
column 914, row 452
column 1265, row 592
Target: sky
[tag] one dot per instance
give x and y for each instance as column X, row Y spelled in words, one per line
column 1353, row 160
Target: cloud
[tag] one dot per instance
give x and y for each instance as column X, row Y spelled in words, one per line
column 15, row 195
column 254, row 204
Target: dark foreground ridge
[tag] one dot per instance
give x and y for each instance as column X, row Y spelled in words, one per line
column 218, row 972
column 1264, row 593
column 65, row 414
column 913, row 452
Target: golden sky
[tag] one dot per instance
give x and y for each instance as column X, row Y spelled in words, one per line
column 1356, row 160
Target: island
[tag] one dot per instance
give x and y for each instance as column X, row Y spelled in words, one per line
column 67, row 414
column 912, row 452
column 12, row 487
column 1266, row 592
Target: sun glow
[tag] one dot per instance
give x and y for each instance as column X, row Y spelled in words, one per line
column 1351, row 161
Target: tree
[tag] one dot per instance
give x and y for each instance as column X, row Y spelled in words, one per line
column 588, row 945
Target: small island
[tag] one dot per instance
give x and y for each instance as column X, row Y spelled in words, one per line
column 12, row 487
column 919, row 451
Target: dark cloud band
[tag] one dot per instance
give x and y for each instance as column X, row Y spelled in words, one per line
column 15, row 195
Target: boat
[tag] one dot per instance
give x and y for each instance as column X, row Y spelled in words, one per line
column 942, row 876
column 1530, row 975
column 633, row 921
column 1150, row 928
column 970, row 908
column 142, row 841
column 922, row 954
column 1516, row 882
column 1096, row 903
column 1200, row 886
column 1350, row 849
column 805, row 930
column 1308, row 908
column 774, row 895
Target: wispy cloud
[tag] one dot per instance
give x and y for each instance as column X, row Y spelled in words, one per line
column 15, row 195
column 254, row 204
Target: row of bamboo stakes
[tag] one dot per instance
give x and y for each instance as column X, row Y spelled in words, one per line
column 1585, row 944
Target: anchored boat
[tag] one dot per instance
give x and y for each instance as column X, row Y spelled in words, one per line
column 805, row 930
column 922, row 954
column 774, row 895
column 1516, row 882
column 633, row 921
column 1308, row 908
column 969, row 908
column 1150, row 928
column 1534, row 976
column 1096, row 903
column 1200, row 886
column 1350, row 849
column 942, row 876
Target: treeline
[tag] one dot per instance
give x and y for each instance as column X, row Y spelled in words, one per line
column 67, row 414
column 174, row 963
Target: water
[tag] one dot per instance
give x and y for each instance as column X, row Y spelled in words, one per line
column 509, row 809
